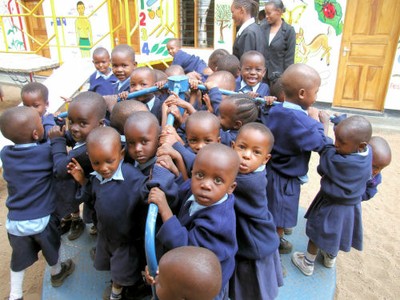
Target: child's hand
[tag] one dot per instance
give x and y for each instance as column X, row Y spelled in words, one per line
column 76, row 171
column 194, row 83
column 269, row 100
column 56, row 131
column 161, row 84
column 166, row 162
column 194, row 75
column 207, row 102
column 157, row 197
column 123, row 96
column 253, row 94
column 313, row 113
column 168, row 135
column 323, row 116
column 166, row 149
column 150, row 280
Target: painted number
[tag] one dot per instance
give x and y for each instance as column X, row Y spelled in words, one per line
column 142, row 17
column 145, row 48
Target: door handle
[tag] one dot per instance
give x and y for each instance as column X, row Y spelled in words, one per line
column 345, row 50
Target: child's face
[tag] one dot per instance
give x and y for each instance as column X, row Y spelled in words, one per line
column 102, row 62
column 105, row 160
column 198, row 136
column 82, row 121
column 251, row 145
column 344, row 144
column 36, row 101
column 141, row 142
column 227, row 111
column 172, row 48
column 253, row 70
column 212, row 178
column 122, row 65
column 140, row 81
column 310, row 96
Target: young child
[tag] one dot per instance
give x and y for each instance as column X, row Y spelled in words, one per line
column 85, row 112
column 214, row 57
column 143, row 78
column 258, row 272
column 36, row 95
column 249, row 36
column 121, row 112
column 102, row 81
column 200, row 279
column 174, row 70
column 334, row 217
column 229, row 63
column 234, row 112
column 31, row 223
column 207, row 217
column 252, row 71
column 296, row 134
column 381, row 158
column 118, row 185
column 189, row 63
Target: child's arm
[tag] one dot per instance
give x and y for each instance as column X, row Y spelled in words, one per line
column 169, row 136
column 75, row 169
column 215, row 95
column 157, row 197
column 207, row 101
column 175, row 156
column 123, row 95
column 175, row 100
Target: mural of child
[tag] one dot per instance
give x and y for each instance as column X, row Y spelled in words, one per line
column 83, row 30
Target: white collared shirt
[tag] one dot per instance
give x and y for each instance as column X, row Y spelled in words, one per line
column 244, row 26
column 243, row 84
column 195, row 207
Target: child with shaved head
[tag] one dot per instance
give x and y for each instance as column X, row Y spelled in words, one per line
column 32, row 224
column 334, row 217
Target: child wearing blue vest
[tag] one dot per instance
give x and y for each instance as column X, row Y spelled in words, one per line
column 334, row 219
column 298, row 130
column 86, row 112
column 252, row 72
column 381, row 158
column 36, row 95
column 102, row 81
column 258, row 272
column 31, row 223
column 118, row 185
column 207, row 217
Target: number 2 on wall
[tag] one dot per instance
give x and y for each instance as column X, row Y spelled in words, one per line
column 142, row 17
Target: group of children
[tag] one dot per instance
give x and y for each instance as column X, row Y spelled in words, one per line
column 226, row 176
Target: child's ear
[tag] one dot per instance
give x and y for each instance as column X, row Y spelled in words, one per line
column 35, row 135
column 102, row 122
column 362, row 146
column 267, row 158
column 232, row 187
column 233, row 144
column 219, row 140
column 123, row 152
column 238, row 124
column 302, row 93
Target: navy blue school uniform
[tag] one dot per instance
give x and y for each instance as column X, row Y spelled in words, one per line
column 258, row 272
column 48, row 123
column 228, row 136
column 101, row 83
column 66, row 186
column 296, row 135
column 187, row 154
column 334, row 219
column 189, row 62
column 212, row 227
column 262, row 89
column 252, row 38
column 123, row 86
column 28, row 171
column 155, row 107
column 372, row 187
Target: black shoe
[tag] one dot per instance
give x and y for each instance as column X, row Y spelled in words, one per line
column 285, row 247
column 138, row 291
column 77, row 228
column 65, row 225
column 67, row 268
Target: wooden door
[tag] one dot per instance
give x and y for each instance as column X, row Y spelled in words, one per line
column 36, row 27
column 120, row 35
column 370, row 36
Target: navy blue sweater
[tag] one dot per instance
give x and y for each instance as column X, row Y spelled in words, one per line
column 296, row 135
column 213, row 227
column 372, row 187
column 344, row 177
column 29, row 176
column 102, row 86
column 189, row 62
column 255, row 228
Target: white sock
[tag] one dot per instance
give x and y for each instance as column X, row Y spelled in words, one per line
column 310, row 258
column 17, row 280
column 56, row 268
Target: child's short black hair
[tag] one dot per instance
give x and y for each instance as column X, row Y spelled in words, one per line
column 175, row 41
column 215, row 56
column 250, row 54
column 94, row 100
column 145, row 70
column 229, row 63
column 358, row 128
column 174, row 70
column 17, row 124
column 261, row 128
column 246, row 108
column 105, row 135
column 121, row 112
column 223, row 79
column 126, row 50
column 202, row 116
column 100, row 51
column 143, row 117
column 36, row 87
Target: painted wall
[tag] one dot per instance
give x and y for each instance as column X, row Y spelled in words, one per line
column 14, row 37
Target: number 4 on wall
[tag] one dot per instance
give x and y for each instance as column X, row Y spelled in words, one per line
column 145, row 48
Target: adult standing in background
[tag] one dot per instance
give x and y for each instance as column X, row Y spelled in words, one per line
column 280, row 40
column 249, row 36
